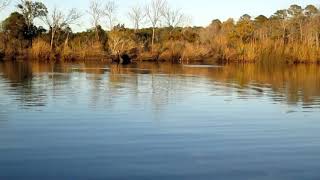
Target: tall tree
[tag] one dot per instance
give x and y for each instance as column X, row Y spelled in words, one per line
column 173, row 17
column 110, row 11
column 154, row 14
column 15, row 26
column 95, row 11
column 32, row 10
column 261, row 27
column 297, row 16
column 313, row 25
column 14, row 33
column 245, row 29
column 136, row 16
column 281, row 16
column 311, row 10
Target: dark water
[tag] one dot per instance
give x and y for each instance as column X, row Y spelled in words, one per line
column 148, row 121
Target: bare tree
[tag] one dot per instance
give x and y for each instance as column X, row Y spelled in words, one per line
column 109, row 11
column 4, row 3
column 95, row 11
column 136, row 16
column 60, row 21
column 154, row 15
column 172, row 17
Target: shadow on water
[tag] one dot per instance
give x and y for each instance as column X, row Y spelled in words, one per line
column 293, row 85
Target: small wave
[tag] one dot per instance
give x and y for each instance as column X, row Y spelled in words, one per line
column 202, row 66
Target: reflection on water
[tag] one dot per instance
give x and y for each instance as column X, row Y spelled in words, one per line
column 294, row 85
column 159, row 121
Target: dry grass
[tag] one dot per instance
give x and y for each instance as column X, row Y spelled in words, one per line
column 80, row 50
column 40, row 50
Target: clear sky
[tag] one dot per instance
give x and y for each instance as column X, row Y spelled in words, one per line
column 201, row 11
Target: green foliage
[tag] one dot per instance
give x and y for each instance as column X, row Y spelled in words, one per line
column 295, row 11
column 245, row 29
column 32, row 10
column 311, row 10
column 143, row 35
column 261, row 20
column 15, row 26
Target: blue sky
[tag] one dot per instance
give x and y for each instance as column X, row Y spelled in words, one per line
column 201, row 11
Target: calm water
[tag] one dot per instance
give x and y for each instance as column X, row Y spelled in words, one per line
column 148, row 121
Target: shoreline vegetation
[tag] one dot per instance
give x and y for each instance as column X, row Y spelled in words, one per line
column 288, row 36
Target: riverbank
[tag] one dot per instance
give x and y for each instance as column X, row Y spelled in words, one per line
column 128, row 58
column 290, row 36
column 178, row 52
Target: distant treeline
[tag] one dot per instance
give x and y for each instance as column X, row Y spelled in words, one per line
column 289, row 35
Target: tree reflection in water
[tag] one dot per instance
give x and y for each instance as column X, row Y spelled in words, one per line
column 31, row 84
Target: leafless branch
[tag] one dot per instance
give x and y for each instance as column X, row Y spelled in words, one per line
column 136, row 16
column 95, row 11
column 173, row 18
column 60, row 21
column 154, row 15
column 110, row 11
column 154, row 11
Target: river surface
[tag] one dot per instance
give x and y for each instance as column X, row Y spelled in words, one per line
column 159, row 121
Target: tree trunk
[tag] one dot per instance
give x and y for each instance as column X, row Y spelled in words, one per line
column 284, row 36
column 52, row 39
column 97, row 34
column 136, row 27
column 30, row 38
column 66, row 41
column 152, row 41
